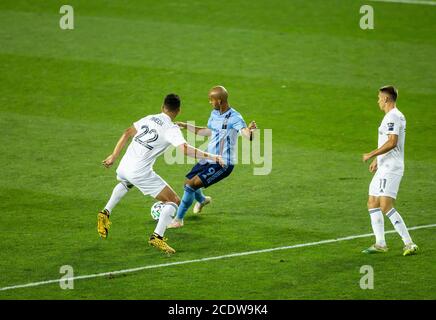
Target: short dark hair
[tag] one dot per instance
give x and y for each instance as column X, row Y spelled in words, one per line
column 172, row 102
column 391, row 91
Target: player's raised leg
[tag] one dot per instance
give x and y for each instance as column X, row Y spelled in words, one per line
column 171, row 200
column 103, row 221
column 387, row 206
column 377, row 223
column 191, row 185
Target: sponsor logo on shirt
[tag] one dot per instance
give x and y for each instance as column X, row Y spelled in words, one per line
column 390, row 126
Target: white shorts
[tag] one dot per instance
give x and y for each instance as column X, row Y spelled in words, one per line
column 149, row 183
column 385, row 185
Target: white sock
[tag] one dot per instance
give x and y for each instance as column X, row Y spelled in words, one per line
column 166, row 216
column 378, row 226
column 119, row 192
column 399, row 225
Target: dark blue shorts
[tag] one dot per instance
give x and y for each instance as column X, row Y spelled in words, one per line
column 210, row 173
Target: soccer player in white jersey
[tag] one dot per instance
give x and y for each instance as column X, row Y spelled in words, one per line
column 152, row 135
column 388, row 166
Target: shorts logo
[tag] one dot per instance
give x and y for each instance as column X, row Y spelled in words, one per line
column 391, row 126
column 382, row 185
column 210, row 172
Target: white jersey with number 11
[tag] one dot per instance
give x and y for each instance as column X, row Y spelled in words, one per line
column 392, row 162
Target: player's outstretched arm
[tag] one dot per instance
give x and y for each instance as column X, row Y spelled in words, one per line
column 127, row 134
column 193, row 152
column 201, row 131
column 388, row 146
column 248, row 132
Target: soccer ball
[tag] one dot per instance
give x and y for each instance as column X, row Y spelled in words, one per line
column 156, row 209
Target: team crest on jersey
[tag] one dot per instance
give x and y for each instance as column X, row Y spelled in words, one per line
column 391, row 126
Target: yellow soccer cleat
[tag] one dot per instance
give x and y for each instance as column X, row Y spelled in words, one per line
column 103, row 223
column 410, row 249
column 160, row 243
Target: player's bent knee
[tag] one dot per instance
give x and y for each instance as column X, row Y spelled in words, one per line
column 195, row 183
column 385, row 208
column 174, row 205
column 373, row 203
column 386, row 204
column 176, row 200
column 190, row 182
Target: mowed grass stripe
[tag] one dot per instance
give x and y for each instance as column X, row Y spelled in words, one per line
column 232, row 255
column 136, row 43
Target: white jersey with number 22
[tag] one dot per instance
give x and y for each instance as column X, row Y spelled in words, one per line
column 155, row 133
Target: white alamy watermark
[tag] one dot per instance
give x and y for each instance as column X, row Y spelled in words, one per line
column 367, row 20
column 367, row 280
column 258, row 151
column 67, row 280
column 66, row 22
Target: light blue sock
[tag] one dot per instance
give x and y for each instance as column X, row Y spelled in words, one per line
column 199, row 196
column 187, row 200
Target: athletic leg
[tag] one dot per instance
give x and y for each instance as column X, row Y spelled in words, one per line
column 118, row 193
column 103, row 221
column 191, row 185
column 171, row 200
column 387, row 206
column 376, row 216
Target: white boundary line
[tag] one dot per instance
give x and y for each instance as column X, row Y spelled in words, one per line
column 97, row 275
column 421, row 2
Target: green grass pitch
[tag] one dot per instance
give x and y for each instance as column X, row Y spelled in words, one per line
column 301, row 68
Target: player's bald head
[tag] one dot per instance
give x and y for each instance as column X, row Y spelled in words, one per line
column 219, row 93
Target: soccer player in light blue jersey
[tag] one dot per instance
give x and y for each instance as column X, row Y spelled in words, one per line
column 223, row 128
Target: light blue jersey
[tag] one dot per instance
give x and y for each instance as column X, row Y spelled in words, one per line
column 225, row 129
